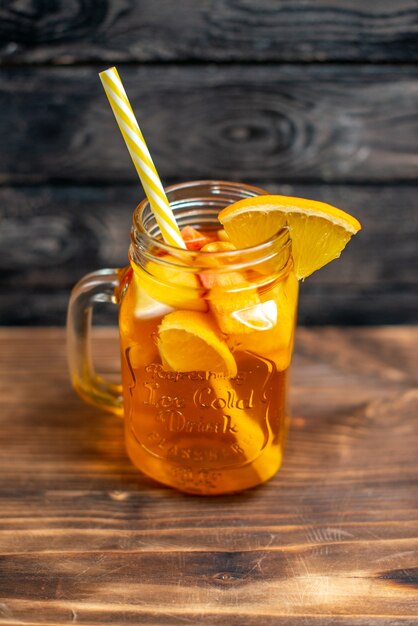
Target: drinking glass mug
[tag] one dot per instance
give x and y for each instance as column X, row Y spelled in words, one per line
column 206, row 341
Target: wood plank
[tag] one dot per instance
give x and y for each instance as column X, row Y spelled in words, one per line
column 53, row 235
column 275, row 122
column 209, row 30
column 331, row 540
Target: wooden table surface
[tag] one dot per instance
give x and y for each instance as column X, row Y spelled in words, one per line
column 331, row 540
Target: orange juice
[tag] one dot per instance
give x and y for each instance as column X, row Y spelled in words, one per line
column 206, row 343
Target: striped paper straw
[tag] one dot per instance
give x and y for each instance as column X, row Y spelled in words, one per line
column 141, row 157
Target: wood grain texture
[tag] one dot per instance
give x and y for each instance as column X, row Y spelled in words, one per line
column 331, row 541
column 51, row 236
column 209, row 30
column 275, row 122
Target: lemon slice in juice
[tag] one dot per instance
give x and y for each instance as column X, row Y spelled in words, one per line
column 171, row 282
column 189, row 341
column 319, row 231
column 145, row 306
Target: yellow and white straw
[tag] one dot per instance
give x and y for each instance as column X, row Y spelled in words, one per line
column 141, row 157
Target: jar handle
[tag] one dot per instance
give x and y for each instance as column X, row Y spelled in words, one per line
column 100, row 286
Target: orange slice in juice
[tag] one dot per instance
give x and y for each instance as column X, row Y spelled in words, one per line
column 319, row 231
column 189, row 341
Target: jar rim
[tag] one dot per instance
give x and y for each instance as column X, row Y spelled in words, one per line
column 142, row 241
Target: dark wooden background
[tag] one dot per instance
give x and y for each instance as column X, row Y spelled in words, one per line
column 316, row 98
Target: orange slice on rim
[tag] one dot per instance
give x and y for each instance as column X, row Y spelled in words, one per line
column 319, row 231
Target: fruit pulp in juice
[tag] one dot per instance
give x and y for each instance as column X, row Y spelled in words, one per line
column 205, row 386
